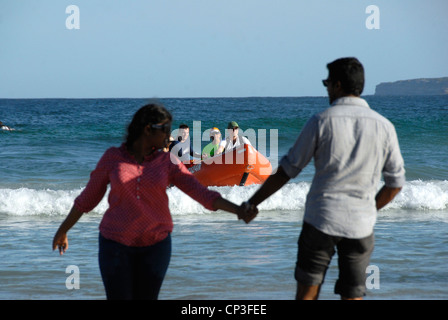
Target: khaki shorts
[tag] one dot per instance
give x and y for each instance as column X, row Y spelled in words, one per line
column 314, row 256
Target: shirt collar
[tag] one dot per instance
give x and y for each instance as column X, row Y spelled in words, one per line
column 354, row 101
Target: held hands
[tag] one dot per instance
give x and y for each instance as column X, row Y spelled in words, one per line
column 247, row 212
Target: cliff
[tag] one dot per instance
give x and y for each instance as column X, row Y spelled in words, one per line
column 432, row 86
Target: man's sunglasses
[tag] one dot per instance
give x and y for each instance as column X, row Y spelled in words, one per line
column 326, row 82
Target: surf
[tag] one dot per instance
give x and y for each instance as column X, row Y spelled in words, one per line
column 417, row 195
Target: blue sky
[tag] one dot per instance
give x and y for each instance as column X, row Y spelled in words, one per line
column 212, row 48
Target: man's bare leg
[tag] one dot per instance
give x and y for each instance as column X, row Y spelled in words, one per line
column 357, row 298
column 305, row 292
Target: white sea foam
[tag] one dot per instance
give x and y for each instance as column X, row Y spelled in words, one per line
column 25, row 201
column 416, row 195
column 422, row 195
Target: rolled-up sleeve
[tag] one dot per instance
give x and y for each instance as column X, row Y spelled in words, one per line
column 393, row 170
column 302, row 151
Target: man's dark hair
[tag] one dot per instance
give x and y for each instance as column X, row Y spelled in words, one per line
column 350, row 72
column 183, row 126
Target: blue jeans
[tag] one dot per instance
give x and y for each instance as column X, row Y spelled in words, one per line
column 133, row 272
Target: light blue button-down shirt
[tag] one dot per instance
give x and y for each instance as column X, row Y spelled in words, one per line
column 352, row 146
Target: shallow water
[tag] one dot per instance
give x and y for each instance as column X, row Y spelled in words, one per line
column 46, row 163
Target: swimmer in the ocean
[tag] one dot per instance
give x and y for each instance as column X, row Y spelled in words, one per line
column 5, row 127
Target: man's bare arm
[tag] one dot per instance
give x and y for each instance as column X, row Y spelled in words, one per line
column 385, row 195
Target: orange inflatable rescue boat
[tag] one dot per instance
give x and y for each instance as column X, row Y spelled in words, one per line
column 242, row 166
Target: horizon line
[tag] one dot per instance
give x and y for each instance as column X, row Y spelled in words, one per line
column 157, row 98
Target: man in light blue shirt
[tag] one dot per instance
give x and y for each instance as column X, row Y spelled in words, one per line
column 352, row 147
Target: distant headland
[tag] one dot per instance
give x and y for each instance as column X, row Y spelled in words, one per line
column 424, row 86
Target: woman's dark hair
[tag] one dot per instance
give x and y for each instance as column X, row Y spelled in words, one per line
column 151, row 113
column 350, row 72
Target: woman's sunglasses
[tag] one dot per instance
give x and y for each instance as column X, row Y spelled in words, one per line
column 166, row 127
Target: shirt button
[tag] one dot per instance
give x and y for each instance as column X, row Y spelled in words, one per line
column 138, row 197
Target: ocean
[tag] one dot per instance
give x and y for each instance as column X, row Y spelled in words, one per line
column 46, row 161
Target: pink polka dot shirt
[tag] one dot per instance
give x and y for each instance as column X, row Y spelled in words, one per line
column 138, row 213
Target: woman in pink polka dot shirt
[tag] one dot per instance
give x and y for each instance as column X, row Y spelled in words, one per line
column 134, row 240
